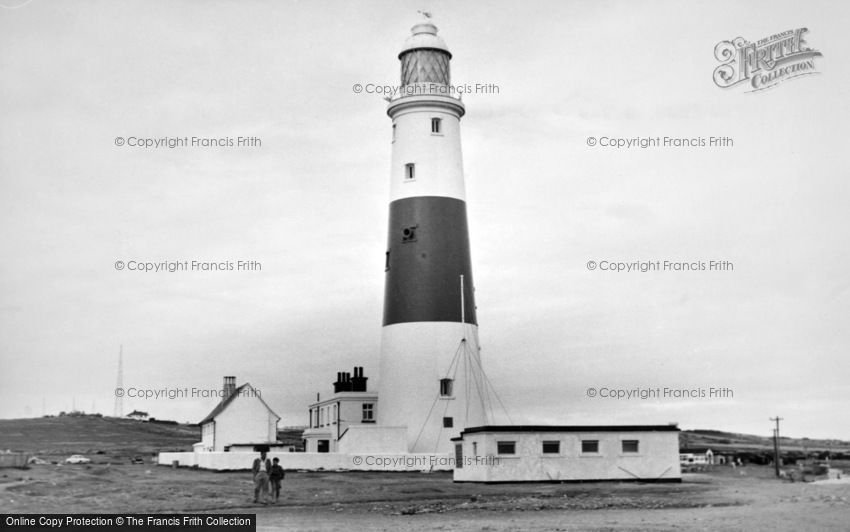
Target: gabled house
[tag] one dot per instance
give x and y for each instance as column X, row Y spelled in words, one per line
column 241, row 421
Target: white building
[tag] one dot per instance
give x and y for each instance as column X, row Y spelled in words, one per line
column 242, row 419
column 345, row 421
column 138, row 415
column 551, row 453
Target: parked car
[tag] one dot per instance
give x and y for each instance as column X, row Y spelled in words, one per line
column 137, row 460
column 77, row 459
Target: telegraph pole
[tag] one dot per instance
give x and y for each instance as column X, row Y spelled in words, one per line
column 119, row 385
column 777, row 419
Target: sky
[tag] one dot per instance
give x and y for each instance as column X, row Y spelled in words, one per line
column 309, row 204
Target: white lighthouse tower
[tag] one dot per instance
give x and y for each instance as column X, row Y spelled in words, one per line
column 431, row 378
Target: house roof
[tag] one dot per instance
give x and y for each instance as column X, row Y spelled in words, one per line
column 137, row 413
column 571, row 428
column 223, row 404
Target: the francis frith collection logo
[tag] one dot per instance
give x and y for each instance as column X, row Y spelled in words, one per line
column 765, row 63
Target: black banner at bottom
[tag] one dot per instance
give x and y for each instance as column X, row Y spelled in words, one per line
column 147, row 522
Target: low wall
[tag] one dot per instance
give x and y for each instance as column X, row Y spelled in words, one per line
column 220, row 461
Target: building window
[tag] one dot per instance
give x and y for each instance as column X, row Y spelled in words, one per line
column 448, row 422
column 436, row 125
column 387, row 263
column 368, row 413
column 321, row 417
column 475, row 448
column 630, row 446
column 551, row 447
column 590, row 446
column 410, row 171
column 334, row 420
column 446, row 387
column 506, row 447
column 458, row 455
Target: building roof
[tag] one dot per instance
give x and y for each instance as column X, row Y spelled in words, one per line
column 345, row 396
column 137, row 413
column 571, row 428
column 223, row 404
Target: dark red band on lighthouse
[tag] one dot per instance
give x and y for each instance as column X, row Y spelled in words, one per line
column 428, row 251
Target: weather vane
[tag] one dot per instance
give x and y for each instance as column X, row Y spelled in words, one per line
column 426, row 14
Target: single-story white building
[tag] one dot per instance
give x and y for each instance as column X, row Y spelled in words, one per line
column 242, row 417
column 567, row 453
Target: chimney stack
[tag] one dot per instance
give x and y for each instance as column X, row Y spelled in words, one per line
column 358, row 383
column 229, row 387
column 345, row 382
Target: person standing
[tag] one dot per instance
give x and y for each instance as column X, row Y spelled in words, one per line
column 276, row 476
column 261, row 468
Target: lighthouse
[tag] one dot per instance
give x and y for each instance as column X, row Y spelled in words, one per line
column 431, row 377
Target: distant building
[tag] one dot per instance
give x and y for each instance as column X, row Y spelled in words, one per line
column 240, row 422
column 138, row 415
column 691, row 457
column 552, row 453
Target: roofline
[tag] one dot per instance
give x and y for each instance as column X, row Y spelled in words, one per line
column 343, row 395
column 219, row 408
column 570, row 428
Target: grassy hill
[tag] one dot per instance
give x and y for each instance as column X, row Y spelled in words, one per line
column 759, row 449
column 92, row 434
column 121, row 438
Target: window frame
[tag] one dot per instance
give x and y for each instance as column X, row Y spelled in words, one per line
column 545, row 443
column 447, row 387
column 500, row 444
column 436, row 125
column 370, row 409
column 623, row 447
column 595, row 442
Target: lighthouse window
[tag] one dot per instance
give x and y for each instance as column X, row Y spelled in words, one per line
column 446, row 387
column 448, row 422
column 436, row 125
column 393, row 132
column 408, row 234
column 410, row 171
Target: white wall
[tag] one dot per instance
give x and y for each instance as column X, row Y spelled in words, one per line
column 373, row 439
column 245, row 420
column 414, row 357
column 312, row 461
column 658, row 457
column 208, row 436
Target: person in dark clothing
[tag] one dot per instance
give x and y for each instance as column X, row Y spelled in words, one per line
column 276, row 475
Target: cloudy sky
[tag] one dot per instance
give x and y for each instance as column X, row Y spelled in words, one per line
column 310, row 205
